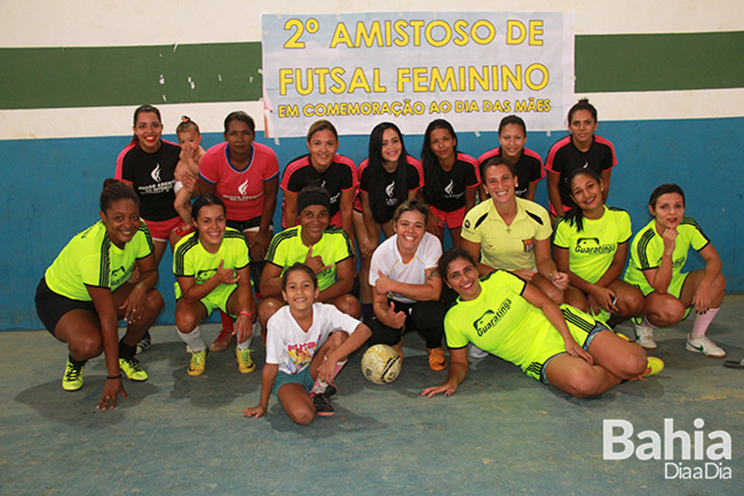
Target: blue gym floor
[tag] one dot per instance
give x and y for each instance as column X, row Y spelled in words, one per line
column 501, row 433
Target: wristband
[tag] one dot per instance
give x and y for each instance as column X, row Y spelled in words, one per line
column 111, row 378
column 246, row 313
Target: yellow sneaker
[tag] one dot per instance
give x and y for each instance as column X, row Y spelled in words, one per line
column 245, row 364
column 73, row 378
column 655, row 365
column 198, row 362
column 130, row 367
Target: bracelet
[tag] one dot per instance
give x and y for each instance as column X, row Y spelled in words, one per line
column 111, row 378
column 246, row 313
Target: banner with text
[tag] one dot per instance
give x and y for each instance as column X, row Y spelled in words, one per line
column 471, row 68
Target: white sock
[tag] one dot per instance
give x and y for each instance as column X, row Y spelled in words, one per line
column 193, row 339
column 702, row 321
column 245, row 344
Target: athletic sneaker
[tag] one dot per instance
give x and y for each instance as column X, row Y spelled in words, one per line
column 705, row 346
column 245, row 364
column 644, row 333
column 131, row 368
column 224, row 338
column 655, row 365
column 476, row 352
column 323, row 405
column 437, row 361
column 399, row 348
column 73, row 378
column 198, row 362
column 144, row 343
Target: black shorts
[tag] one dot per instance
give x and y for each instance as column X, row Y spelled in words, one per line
column 244, row 225
column 51, row 306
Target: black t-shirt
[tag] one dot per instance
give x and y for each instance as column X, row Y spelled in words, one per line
column 151, row 174
column 388, row 185
column 564, row 157
column 448, row 194
column 529, row 168
column 339, row 176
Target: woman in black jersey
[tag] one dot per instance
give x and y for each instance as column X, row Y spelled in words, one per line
column 450, row 180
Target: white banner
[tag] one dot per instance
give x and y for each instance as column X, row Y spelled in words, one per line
column 471, row 68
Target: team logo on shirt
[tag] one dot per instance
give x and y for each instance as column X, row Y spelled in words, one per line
column 155, row 174
column 390, row 192
column 243, row 188
column 203, row 276
column 489, row 319
column 591, row 246
column 528, row 244
column 119, row 276
column 448, row 189
column 467, row 224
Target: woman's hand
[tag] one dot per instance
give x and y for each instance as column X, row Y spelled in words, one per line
column 326, row 370
column 576, row 351
column 189, row 182
column 111, row 390
column 260, row 245
column 447, row 388
column 243, row 328
column 315, row 262
column 365, row 247
column 559, row 279
column 701, row 299
column 383, row 285
column 602, row 298
column 225, row 275
column 670, row 240
column 134, row 305
column 256, row 411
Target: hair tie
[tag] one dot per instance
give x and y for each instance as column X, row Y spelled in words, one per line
column 185, row 119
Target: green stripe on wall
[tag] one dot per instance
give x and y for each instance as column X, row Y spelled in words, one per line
column 222, row 72
column 108, row 76
column 659, row 62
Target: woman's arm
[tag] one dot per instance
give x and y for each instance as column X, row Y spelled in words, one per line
column 474, row 249
column 470, row 197
column 193, row 292
column 531, row 189
column 344, row 281
column 431, row 290
column 271, row 281
column 554, row 315
column 290, row 208
column 268, row 377
column 606, row 174
column 702, row 297
column 263, row 238
column 458, row 371
column 554, row 193
column 546, row 267
column 246, row 304
column 103, row 300
column 135, row 302
column 346, row 206
column 372, row 227
column 205, row 187
column 660, row 278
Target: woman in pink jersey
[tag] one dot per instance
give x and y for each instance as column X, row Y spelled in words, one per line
column 326, row 168
column 386, row 179
column 245, row 175
column 581, row 149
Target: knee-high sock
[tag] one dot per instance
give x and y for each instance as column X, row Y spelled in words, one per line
column 193, row 339
column 702, row 321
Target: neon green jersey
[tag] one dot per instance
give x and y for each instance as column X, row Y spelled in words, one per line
column 648, row 247
column 499, row 321
column 91, row 259
column 334, row 247
column 190, row 259
column 591, row 251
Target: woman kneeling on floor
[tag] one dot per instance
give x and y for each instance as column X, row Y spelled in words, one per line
column 560, row 346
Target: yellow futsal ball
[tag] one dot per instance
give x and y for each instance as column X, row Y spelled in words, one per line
column 381, row 364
